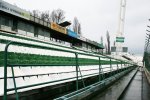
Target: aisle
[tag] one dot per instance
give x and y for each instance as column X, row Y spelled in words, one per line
column 139, row 89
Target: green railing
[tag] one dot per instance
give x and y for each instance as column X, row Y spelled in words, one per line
column 146, row 56
column 17, row 60
column 146, row 60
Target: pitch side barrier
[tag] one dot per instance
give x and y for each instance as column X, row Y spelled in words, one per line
column 77, row 60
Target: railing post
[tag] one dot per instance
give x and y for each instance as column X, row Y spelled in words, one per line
column 17, row 96
column 110, row 67
column 117, row 67
column 121, row 65
column 5, row 71
column 99, row 69
column 81, row 77
column 125, row 65
column 77, row 87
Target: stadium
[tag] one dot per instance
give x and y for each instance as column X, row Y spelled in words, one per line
column 40, row 60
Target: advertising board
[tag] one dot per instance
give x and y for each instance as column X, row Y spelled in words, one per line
column 58, row 28
column 120, row 39
column 72, row 34
column 8, row 8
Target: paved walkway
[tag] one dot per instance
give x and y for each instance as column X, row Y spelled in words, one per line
column 114, row 91
column 139, row 89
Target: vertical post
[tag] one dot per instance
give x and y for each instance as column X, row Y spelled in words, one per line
column 99, row 69
column 117, row 67
column 110, row 66
column 77, row 71
column 121, row 65
column 5, row 70
column 81, row 77
column 126, row 65
column 0, row 22
column 5, row 73
column 17, row 96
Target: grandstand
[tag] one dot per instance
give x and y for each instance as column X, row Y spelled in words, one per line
column 35, row 65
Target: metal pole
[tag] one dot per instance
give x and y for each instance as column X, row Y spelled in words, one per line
column 110, row 66
column 121, row 65
column 77, row 87
column 117, row 67
column 99, row 69
column 5, row 71
column 17, row 96
column 81, row 77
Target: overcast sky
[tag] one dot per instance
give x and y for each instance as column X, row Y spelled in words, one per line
column 98, row 16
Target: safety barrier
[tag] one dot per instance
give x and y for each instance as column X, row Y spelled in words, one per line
column 76, row 59
column 90, row 90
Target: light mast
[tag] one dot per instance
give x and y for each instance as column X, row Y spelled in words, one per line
column 120, row 31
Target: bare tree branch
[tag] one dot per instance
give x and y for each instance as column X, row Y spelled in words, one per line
column 106, row 50
column 57, row 16
column 45, row 16
column 79, row 28
column 101, row 40
column 108, row 42
column 76, row 26
column 36, row 13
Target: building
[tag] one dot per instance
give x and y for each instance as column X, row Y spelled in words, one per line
column 20, row 22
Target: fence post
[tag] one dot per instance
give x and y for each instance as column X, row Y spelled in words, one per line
column 77, row 86
column 111, row 67
column 5, row 71
column 121, row 66
column 117, row 67
column 99, row 69
column 17, row 96
column 81, row 77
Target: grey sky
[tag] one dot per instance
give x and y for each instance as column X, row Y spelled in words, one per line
column 98, row 16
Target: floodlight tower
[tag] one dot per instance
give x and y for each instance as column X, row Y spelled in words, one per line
column 120, row 31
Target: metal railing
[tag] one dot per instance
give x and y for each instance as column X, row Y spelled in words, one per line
column 146, row 57
column 77, row 71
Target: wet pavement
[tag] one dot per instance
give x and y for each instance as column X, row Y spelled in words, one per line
column 139, row 88
column 133, row 92
column 114, row 91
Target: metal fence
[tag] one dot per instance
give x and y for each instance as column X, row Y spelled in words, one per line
column 75, row 61
column 146, row 58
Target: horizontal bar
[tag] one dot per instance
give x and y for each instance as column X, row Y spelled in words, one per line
column 68, row 51
column 11, row 89
column 18, row 88
column 23, row 65
column 48, row 73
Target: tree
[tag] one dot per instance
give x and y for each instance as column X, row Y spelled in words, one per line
column 106, row 50
column 108, row 42
column 57, row 16
column 79, row 29
column 45, row 16
column 76, row 26
column 36, row 13
column 101, row 42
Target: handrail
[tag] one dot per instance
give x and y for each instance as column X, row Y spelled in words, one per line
column 47, row 48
